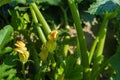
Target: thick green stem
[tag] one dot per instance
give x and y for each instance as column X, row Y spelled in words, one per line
column 41, row 35
column 23, row 71
column 101, row 41
column 41, row 18
column 33, row 15
column 81, row 38
column 39, row 30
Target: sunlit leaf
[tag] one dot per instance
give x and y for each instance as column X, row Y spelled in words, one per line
column 72, row 70
column 3, row 2
column 5, row 37
column 101, row 6
column 51, row 2
column 7, row 73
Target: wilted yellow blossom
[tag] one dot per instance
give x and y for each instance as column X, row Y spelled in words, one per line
column 53, row 35
column 20, row 44
column 51, row 44
column 23, row 53
column 24, row 56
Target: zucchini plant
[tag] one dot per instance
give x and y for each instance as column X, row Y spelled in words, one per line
column 42, row 40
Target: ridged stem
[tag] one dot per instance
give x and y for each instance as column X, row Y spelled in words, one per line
column 99, row 50
column 81, row 38
column 41, row 18
column 38, row 28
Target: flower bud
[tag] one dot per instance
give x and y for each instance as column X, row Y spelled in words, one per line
column 44, row 53
column 51, row 46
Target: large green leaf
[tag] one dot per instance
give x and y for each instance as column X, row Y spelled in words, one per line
column 56, row 2
column 5, row 37
column 3, row 2
column 11, row 59
column 114, row 60
column 17, row 21
column 72, row 71
column 51, row 2
column 101, row 6
column 7, row 73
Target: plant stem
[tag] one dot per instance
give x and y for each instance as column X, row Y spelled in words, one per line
column 102, row 35
column 93, row 49
column 39, row 30
column 41, row 35
column 101, row 41
column 65, row 17
column 41, row 18
column 100, row 38
column 33, row 15
column 23, row 70
column 81, row 38
column 34, row 54
column 66, row 47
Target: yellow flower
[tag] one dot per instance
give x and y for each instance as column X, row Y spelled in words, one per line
column 53, row 35
column 23, row 53
column 20, row 44
column 24, row 56
column 51, row 44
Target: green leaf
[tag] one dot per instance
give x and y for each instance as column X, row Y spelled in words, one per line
column 60, row 70
column 101, row 6
column 11, row 59
column 72, row 70
column 114, row 60
column 30, row 1
column 78, row 1
column 7, row 73
column 20, row 1
column 87, row 17
column 5, row 50
column 26, row 17
column 51, row 2
column 3, row 2
column 17, row 21
column 5, row 37
column 57, row 2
